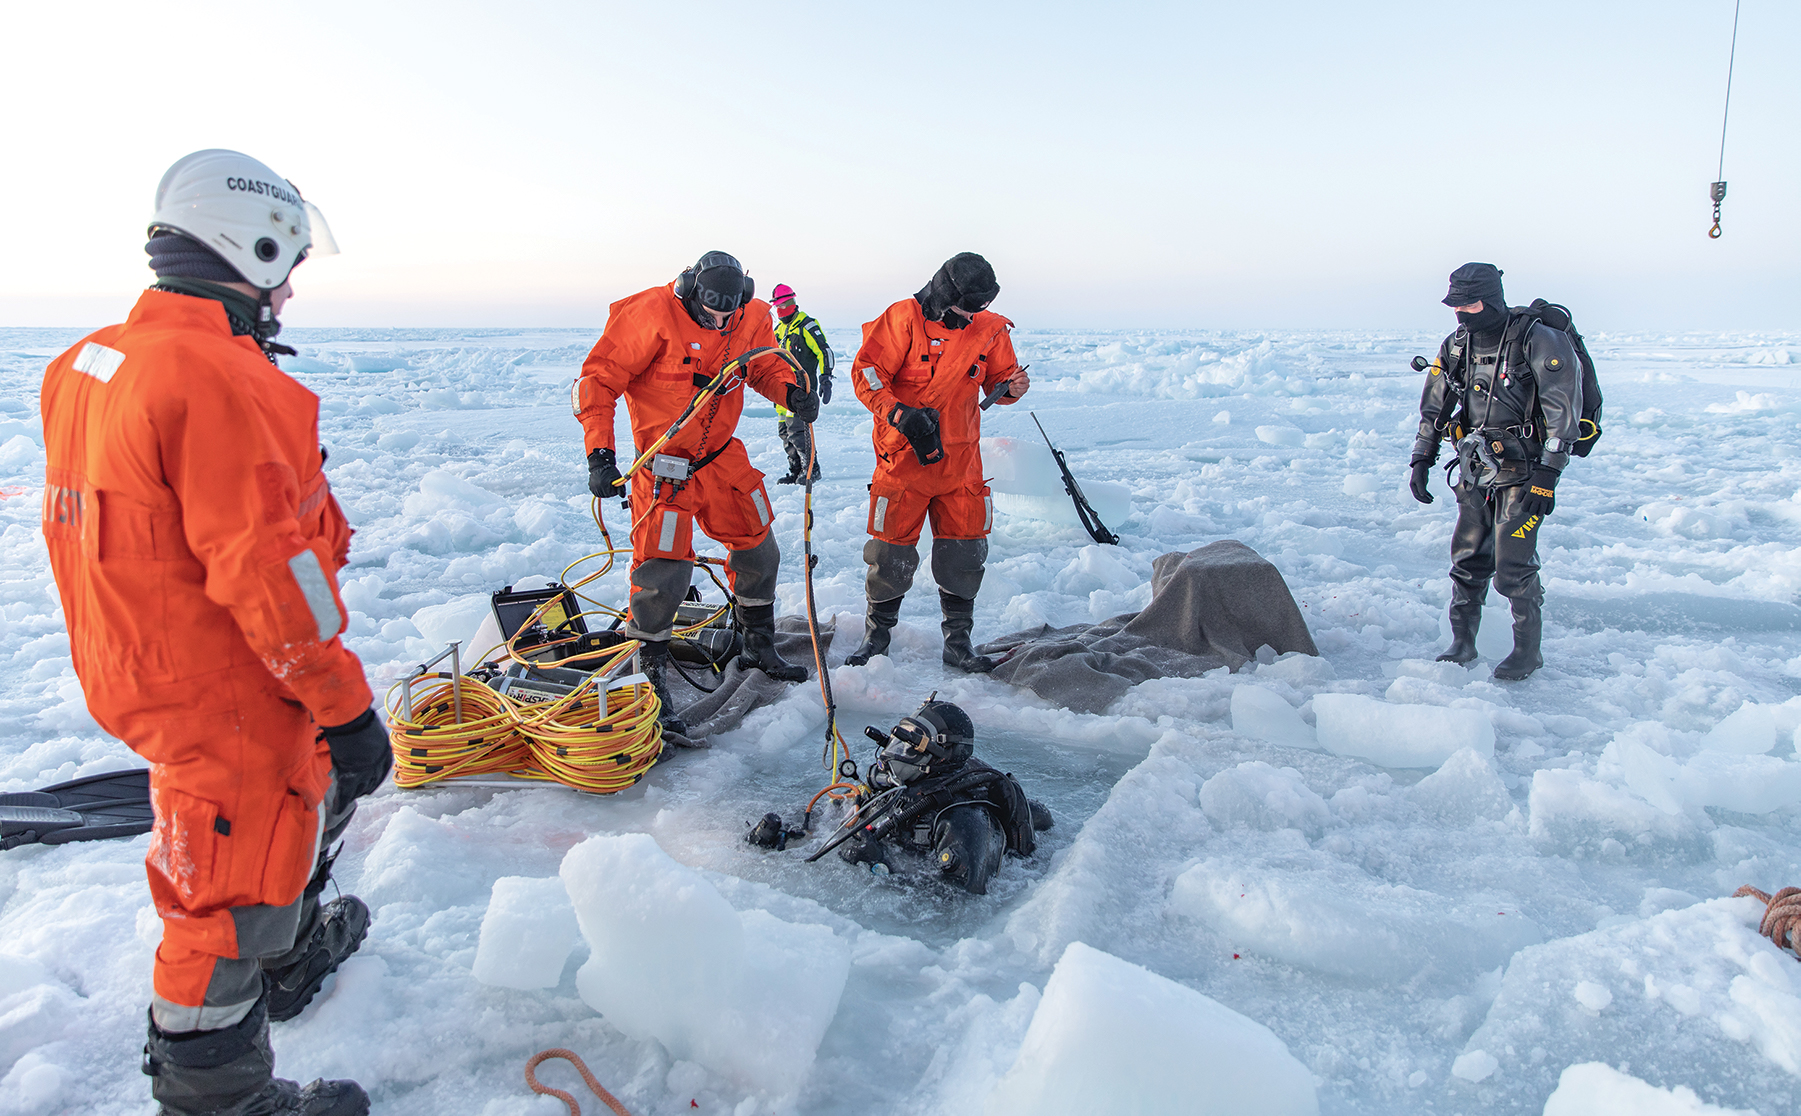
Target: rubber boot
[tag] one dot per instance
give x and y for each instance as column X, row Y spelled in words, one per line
column 758, row 622
column 340, row 928
column 230, row 1071
column 1466, row 618
column 959, row 621
column 1528, row 628
column 878, row 628
column 653, row 661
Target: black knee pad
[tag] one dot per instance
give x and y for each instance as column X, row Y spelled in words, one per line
column 891, row 569
column 958, row 564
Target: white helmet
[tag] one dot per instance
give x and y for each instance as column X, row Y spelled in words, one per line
column 252, row 217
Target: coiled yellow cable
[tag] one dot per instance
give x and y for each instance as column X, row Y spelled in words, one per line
column 569, row 740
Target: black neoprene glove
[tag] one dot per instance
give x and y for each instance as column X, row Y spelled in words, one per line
column 1422, row 471
column 919, row 426
column 1541, row 492
column 825, row 388
column 603, row 474
column 803, row 403
column 360, row 754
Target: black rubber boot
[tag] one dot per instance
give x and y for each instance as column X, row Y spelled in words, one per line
column 959, row 621
column 758, row 622
column 653, row 661
column 1528, row 630
column 340, row 928
column 878, row 628
column 231, row 1072
column 793, row 477
column 1466, row 618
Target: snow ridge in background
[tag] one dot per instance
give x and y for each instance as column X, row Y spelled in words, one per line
column 1525, row 904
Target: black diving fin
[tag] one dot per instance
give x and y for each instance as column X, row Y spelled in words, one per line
column 116, row 804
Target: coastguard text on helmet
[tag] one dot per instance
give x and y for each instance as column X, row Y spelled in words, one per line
column 257, row 186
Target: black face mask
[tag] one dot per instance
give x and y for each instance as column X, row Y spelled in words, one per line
column 1489, row 319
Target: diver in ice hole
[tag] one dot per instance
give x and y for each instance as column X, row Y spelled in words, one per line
column 942, row 801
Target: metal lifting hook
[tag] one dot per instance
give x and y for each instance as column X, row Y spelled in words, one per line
column 1718, row 190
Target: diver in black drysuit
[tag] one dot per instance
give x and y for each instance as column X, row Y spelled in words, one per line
column 929, row 764
column 1506, row 391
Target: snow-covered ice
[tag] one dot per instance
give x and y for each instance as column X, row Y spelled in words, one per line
column 1398, row 734
column 1486, row 894
column 747, row 996
column 527, row 934
column 1265, row 715
column 1111, row 1036
column 1596, row 1089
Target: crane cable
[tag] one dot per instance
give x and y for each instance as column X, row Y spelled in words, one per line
column 1718, row 190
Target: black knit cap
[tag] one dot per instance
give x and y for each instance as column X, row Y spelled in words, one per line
column 966, row 280
column 174, row 255
column 1476, row 282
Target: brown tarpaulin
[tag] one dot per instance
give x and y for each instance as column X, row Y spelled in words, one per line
column 1211, row 607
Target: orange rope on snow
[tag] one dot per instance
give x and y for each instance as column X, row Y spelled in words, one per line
column 581, row 1067
column 1781, row 917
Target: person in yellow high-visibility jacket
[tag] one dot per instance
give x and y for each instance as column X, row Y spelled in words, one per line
column 799, row 333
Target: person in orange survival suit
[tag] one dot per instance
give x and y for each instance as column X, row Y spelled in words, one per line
column 659, row 348
column 195, row 544
column 924, row 368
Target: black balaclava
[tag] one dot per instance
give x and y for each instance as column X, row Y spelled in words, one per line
column 965, row 281
column 719, row 284
column 1479, row 282
column 185, row 266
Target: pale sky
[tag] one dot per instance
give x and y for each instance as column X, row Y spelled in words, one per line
column 1198, row 165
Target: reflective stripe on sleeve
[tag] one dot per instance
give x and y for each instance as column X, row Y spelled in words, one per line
column 869, row 377
column 988, row 507
column 666, row 541
column 310, row 576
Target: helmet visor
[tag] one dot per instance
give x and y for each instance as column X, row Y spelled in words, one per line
column 324, row 244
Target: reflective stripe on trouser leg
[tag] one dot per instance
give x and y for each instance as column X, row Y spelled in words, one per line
column 672, row 519
column 753, row 572
column 761, row 505
column 658, row 586
column 266, row 935
column 233, row 985
column 336, row 815
column 891, row 569
column 879, row 517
